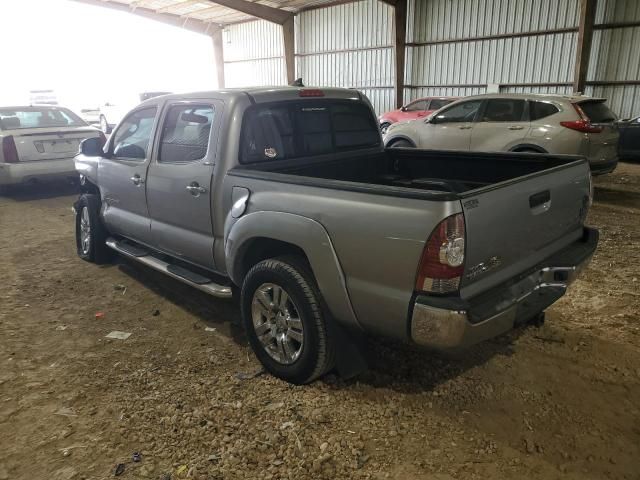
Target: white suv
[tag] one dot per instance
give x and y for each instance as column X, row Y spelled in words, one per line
column 555, row 124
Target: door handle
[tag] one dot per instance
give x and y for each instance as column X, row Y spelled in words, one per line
column 465, row 127
column 516, row 127
column 137, row 180
column 195, row 189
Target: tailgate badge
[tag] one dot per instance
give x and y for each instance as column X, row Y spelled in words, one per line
column 484, row 267
column 473, row 203
column 270, row 152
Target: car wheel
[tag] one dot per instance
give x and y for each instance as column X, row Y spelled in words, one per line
column 91, row 234
column 401, row 144
column 104, row 125
column 384, row 127
column 285, row 322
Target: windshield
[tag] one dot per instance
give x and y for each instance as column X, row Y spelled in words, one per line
column 38, row 117
column 598, row 112
column 306, row 128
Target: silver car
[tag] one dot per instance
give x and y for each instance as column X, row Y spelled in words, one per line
column 534, row 123
column 39, row 142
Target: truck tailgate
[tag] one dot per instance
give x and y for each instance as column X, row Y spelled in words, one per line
column 514, row 225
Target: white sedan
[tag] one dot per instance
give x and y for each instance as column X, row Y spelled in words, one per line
column 39, row 142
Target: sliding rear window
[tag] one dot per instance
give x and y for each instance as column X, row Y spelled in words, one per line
column 306, row 128
column 598, row 112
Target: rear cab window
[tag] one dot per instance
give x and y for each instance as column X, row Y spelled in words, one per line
column 306, row 128
column 597, row 111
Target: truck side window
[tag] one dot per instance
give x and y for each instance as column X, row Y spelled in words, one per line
column 185, row 133
column 131, row 140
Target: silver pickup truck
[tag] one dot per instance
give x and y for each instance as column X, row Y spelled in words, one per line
column 288, row 196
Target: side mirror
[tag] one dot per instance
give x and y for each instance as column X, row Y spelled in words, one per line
column 92, row 147
column 403, row 109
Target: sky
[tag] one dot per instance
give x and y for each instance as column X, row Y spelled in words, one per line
column 90, row 55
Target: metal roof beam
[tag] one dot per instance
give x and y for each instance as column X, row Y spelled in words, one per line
column 192, row 24
column 274, row 15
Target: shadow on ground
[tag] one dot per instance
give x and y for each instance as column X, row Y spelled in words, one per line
column 39, row 191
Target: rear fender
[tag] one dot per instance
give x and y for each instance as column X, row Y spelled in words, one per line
column 306, row 234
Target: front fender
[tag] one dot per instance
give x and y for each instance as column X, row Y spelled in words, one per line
column 306, row 234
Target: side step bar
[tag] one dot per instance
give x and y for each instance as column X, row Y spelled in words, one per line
column 212, row 288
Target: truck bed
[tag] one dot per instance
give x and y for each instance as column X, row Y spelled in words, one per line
column 446, row 174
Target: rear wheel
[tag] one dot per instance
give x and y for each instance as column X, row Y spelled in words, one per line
column 401, row 144
column 284, row 320
column 91, row 234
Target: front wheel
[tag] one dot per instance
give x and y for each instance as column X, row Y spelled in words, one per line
column 384, row 127
column 91, row 234
column 285, row 322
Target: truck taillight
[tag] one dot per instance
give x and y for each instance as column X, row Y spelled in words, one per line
column 9, row 150
column 442, row 263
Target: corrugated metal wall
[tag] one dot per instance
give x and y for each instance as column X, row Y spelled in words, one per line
column 448, row 58
column 350, row 45
column 253, row 54
column 615, row 56
column 346, row 45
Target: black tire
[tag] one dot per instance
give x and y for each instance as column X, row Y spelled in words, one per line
column 383, row 127
column 95, row 250
column 401, row 144
column 317, row 354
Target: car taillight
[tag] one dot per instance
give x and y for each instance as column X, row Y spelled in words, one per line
column 584, row 124
column 442, row 263
column 311, row 92
column 9, row 150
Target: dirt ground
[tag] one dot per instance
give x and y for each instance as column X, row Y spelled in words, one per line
column 560, row 401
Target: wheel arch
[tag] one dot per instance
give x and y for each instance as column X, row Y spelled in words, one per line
column 527, row 146
column 397, row 138
column 261, row 235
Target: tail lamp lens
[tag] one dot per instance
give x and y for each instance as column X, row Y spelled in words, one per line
column 442, row 263
column 9, row 150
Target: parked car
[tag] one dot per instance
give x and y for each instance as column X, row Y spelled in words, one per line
column 629, row 146
column 90, row 115
column 289, row 195
column 417, row 109
column 39, row 142
column 533, row 123
column 111, row 113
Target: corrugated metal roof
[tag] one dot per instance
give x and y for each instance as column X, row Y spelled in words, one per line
column 205, row 11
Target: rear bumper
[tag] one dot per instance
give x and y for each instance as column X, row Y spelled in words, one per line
column 445, row 323
column 17, row 173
